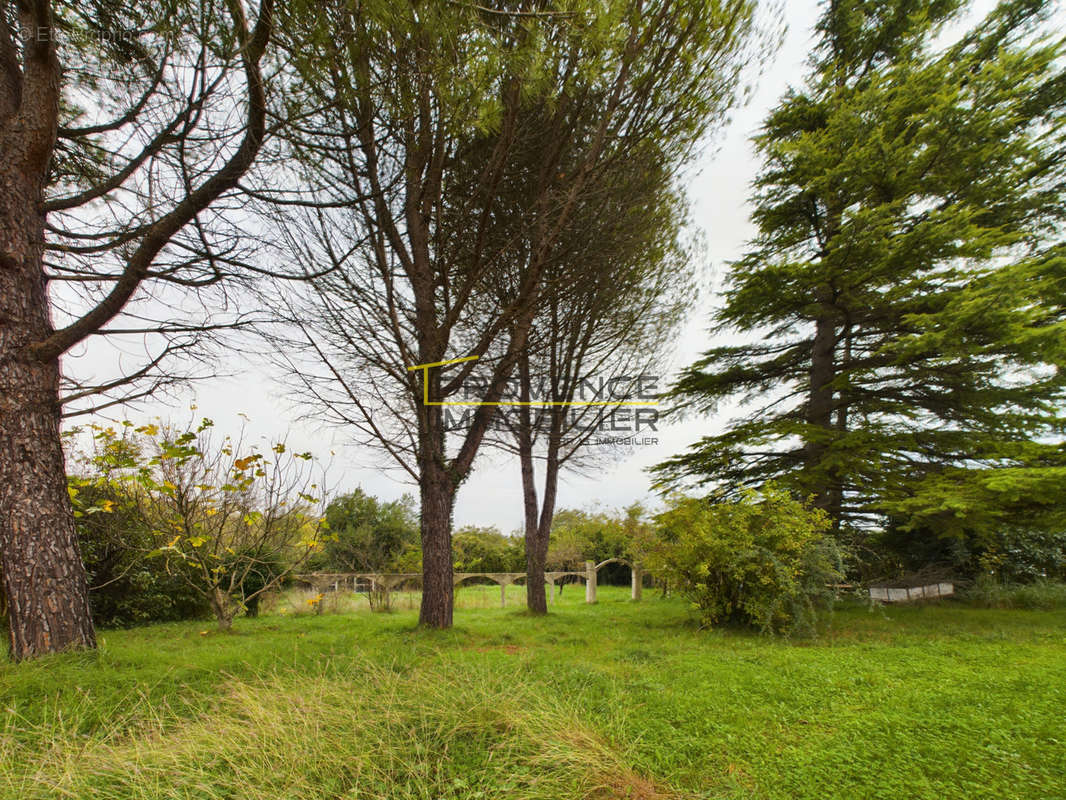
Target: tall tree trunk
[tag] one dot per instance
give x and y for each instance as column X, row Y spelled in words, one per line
column 538, row 520
column 544, row 526
column 438, row 499
column 836, row 500
column 536, row 599
column 536, row 559
column 820, row 400
column 437, row 495
column 43, row 574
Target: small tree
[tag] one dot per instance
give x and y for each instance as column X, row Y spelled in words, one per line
column 762, row 561
column 367, row 534
column 125, row 586
column 371, row 535
column 578, row 535
column 478, row 549
column 231, row 521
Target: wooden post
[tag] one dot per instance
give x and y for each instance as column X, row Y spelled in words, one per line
column 638, row 580
column 503, row 595
column 551, row 589
column 590, row 581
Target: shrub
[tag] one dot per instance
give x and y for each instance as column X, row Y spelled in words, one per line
column 1042, row 595
column 229, row 521
column 763, row 561
column 478, row 549
column 368, row 535
column 1016, row 554
column 127, row 585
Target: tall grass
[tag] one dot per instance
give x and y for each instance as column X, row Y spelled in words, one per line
column 605, row 702
column 352, row 730
column 989, row 592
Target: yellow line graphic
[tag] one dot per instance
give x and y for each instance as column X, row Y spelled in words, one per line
column 425, row 392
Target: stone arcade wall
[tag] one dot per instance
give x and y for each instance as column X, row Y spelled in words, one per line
column 390, row 581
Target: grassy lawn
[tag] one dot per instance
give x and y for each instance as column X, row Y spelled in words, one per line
column 618, row 700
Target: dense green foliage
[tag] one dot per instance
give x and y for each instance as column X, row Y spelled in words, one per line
column 989, row 591
column 167, row 514
column 580, row 535
column 478, row 549
column 1011, row 554
column 763, row 561
column 616, row 700
column 369, row 535
column 127, row 585
column 898, row 323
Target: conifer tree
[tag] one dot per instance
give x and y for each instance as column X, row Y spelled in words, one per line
column 898, row 320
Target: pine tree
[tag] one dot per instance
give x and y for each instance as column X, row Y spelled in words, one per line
column 899, row 317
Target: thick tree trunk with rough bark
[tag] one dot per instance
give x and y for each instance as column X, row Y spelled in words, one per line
column 437, row 494
column 438, row 498
column 43, row 575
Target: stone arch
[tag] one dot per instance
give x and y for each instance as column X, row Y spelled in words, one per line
column 636, row 577
column 462, row 577
column 396, row 582
column 559, row 578
column 502, row 579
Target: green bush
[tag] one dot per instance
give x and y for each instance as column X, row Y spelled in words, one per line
column 764, row 561
column 1016, row 554
column 1020, row 555
column 985, row 592
column 1042, row 595
column 368, row 535
column 479, row 549
column 127, row 585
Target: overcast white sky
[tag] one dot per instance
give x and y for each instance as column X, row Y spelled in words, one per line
column 492, row 495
